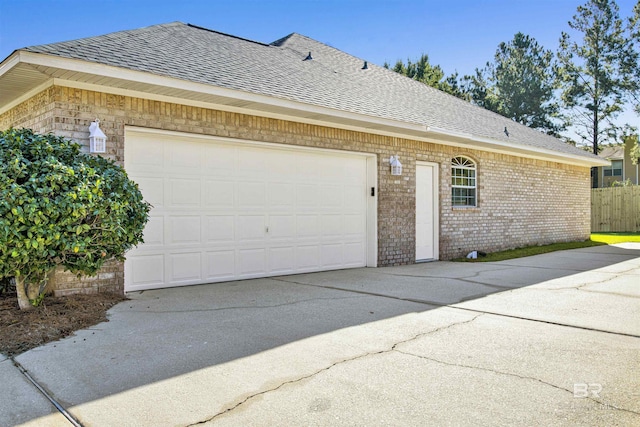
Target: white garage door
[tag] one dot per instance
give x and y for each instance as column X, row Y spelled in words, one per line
column 226, row 210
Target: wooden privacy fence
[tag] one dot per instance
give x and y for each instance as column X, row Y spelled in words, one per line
column 615, row 209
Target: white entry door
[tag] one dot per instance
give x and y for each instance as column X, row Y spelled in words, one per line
column 426, row 211
column 227, row 210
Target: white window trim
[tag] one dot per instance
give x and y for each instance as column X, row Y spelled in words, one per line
column 475, row 178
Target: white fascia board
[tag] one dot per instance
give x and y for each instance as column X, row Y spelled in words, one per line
column 10, row 62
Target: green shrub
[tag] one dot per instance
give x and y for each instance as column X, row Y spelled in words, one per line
column 59, row 206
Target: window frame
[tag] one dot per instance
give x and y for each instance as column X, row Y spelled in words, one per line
column 464, row 170
column 612, row 170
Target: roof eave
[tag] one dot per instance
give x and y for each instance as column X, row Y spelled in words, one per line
column 524, row 150
column 58, row 70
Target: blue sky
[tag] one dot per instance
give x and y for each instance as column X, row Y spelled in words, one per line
column 456, row 34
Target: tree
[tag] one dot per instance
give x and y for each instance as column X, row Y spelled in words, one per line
column 480, row 90
column 597, row 72
column 519, row 84
column 634, row 151
column 634, row 75
column 61, row 207
column 431, row 75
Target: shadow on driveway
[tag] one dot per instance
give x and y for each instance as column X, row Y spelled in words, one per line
column 163, row 334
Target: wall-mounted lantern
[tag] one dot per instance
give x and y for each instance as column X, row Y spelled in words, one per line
column 97, row 138
column 396, row 166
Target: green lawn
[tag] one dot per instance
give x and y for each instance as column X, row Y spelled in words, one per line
column 610, row 238
column 597, row 239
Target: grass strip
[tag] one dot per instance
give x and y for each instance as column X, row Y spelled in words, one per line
column 611, row 238
column 531, row 250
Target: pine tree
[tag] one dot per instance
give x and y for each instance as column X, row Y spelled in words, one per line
column 597, row 71
column 519, row 84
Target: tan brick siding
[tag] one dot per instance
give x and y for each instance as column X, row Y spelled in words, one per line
column 520, row 201
column 109, row 279
column 36, row 113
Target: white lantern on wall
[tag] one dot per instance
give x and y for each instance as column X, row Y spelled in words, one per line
column 396, row 166
column 97, row 138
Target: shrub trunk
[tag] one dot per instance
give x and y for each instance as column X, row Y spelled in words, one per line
column 25, row 293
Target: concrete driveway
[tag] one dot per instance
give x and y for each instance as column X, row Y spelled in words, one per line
column 546, row 340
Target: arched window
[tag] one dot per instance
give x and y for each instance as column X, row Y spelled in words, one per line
column 463, row 182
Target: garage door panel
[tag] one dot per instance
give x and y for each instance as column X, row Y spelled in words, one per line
column 354, row 253
column 219, row 194
column 307, row 169
column 220, row 265
column 184, row 193
column 307, row 225
column 184, row 159
column 251, row 195
column 280, row 165
column 185, row 267
column 146, row 155
column 331, row 170
column 307, row 196
column 330, row 197
column 145, row 270
column 153, row 235
column 252, row 163
column 281, row 195
column 282, row 259
column 184, row 229
column 353, row 199
column 355, row 225
column 153, row 190
column 251, row 227
column 332, row 255
column 220, row 160
column 252, row 262
column 224, row 211
column 331, row 225
column 308, row 257
column 219, row 229
column 355, row 173
column 282, row 227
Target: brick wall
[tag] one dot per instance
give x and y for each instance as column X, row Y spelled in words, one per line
column 520, row 201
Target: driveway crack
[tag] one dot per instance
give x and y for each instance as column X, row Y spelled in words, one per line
column 319, row 371
column 367, row 293
column 511, row 374
column 465, row 279
column 597, row 282
column 242, row 307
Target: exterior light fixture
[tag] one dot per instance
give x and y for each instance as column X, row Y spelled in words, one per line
column 396, row 166
column 97, row 138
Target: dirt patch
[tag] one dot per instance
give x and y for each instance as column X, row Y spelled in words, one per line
column 56, row 318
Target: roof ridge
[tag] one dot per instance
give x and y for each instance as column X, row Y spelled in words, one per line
column 227, row 35
column 281, row 40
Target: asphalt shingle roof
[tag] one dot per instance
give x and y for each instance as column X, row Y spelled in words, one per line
column 333, row 79
column 612, row 152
